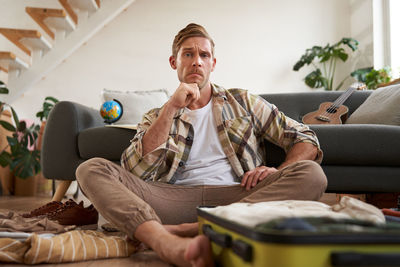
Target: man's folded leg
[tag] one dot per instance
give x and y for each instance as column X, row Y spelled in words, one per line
column 115, row 193
column 303, row 180
column 127, row 201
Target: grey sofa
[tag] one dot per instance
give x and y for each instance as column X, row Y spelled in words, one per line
column 357, row 158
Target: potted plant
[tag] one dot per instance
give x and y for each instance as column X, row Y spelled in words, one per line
column 324, row 60
column 21, row 154
column 5, row 174
column 371, row 77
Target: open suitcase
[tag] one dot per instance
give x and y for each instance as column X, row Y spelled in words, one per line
column 236, row 245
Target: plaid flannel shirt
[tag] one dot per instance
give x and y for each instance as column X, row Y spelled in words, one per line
column 243, row 120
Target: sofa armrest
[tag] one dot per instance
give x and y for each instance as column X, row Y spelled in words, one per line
column 60, row 153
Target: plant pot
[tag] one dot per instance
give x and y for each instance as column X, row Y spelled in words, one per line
column 44, row 186
column 25, row 187
column 7, row 181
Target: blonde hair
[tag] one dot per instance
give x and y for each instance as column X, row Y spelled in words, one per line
column 191, row 30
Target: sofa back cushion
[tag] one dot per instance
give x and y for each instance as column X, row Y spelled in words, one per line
column 135, row 103
column 381, row 107
column 296, row 105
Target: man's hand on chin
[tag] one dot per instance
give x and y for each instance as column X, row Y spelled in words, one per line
column 253, row 177
column 185, row 94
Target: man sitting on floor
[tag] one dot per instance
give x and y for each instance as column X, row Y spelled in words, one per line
column 204, row 146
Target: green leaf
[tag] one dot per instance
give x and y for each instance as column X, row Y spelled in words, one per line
column 31, row 139
column 40, row 115
column 48, row 104
column 360, row 74
column 8, row 126
column 26, row 163
column 314, row 79
column 350, row 42
column 5, row 159
column 340, row 53
column 12, row 141
column 53, row 99
column 15, row 117
column 22, row 126
column 299, row 64
column 307, row 58
column 325, row 57
column 4, row 90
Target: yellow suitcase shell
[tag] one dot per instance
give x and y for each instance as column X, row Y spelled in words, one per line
column 237, row 245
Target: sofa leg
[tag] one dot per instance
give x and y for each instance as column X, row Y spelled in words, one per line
column 61, row 190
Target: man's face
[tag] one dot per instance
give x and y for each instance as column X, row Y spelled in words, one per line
column 194, row 61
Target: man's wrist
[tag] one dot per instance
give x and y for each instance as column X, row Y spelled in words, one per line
column 169, row 109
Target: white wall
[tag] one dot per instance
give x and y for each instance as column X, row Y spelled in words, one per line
column 257, row 44
column 361, row 25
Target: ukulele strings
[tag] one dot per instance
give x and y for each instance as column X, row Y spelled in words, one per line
column 335, row 105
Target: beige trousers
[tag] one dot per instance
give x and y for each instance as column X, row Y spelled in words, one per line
column 127, row 201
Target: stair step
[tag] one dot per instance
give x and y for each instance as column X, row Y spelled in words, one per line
column 88, row 5
column 70, row 11
column 56, row 18
column 9, row 61
column 3, row 69
column 26, row 39
column 73, row 6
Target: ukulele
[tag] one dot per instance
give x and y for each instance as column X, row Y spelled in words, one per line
column 332, row 113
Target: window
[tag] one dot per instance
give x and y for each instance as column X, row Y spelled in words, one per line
column 386, row 21
column 394, row 31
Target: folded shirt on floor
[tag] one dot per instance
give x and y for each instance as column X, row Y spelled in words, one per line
column 252, row 214
column 11, row 221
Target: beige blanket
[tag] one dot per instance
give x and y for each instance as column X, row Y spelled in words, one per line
column 77, row 245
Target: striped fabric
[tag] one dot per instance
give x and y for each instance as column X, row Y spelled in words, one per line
column 243, row 120
column 73, row 246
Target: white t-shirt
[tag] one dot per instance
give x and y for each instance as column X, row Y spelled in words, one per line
column 207, row 163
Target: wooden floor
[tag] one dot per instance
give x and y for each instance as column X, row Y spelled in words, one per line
column 145, row 258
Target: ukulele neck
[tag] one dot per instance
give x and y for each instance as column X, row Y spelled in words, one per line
column 338, row 102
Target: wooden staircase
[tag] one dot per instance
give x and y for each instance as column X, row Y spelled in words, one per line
column 61, row 31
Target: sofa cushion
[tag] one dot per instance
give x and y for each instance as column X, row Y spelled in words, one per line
column 341, row 144
column 104, row 142
column 351, row 145
column 364, row 144
column 135, row 103
column 381, row 107
column 296, row 105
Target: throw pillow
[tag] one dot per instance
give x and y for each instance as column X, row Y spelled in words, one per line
column 381, row 107
column 135, row 103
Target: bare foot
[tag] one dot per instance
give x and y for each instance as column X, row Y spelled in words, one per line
column 195, row 252
column 181, row 251
column 184, row 229
column 198, row 252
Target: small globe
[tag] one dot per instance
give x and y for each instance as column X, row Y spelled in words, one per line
column 111, row 111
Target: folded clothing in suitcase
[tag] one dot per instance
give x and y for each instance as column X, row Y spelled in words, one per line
column 300, row 234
